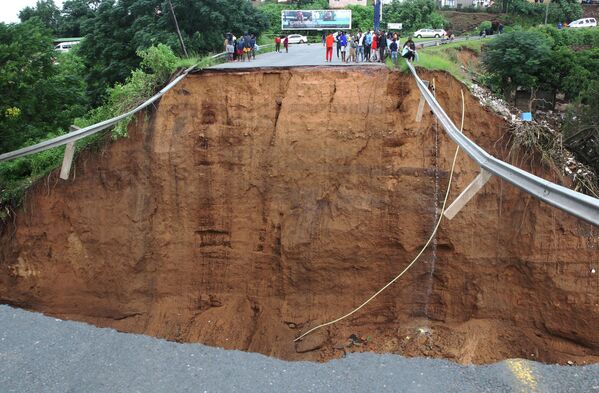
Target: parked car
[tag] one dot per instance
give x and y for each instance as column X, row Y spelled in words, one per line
column 584, row 22
column 297, row 39
column 429, row 33
column 65, row 46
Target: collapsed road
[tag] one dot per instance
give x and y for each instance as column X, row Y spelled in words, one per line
column 253, row 204
column 41, row 354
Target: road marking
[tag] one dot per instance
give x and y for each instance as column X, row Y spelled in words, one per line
column 523, row 374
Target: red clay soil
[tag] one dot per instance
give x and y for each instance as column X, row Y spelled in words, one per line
column 251, row 206
column 461, row 22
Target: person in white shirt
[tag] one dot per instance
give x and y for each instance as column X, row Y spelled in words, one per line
column 360, row 55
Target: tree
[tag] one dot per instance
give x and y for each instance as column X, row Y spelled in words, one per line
column 414, row 14
column 564, row 10
column 46, row 11
column 518, row 58
column 74, row 14
column 39, row 96
column 119, row 29
column 362, row 17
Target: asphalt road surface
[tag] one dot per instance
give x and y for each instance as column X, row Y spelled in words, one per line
column 42, row 354
column 299, row 55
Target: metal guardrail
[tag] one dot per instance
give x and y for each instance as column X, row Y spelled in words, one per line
column 84, row 132
column 570, row 201
column 575, row 203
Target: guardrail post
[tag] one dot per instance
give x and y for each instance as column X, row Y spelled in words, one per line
column 421, row 105
column 468, row 193
column 67, row 160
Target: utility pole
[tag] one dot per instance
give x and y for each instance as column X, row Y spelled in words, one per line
column 546, row 11
column 177, row 26
column 378, row 14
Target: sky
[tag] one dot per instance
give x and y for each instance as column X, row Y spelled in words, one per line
column 9, row 9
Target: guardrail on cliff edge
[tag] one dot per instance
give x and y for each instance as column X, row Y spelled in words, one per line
column 570, row 201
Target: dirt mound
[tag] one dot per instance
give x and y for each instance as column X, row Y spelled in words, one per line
column 461, row 22
column 253, row 205
column 590, row 11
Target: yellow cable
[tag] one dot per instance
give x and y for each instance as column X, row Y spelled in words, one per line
column 417, row 256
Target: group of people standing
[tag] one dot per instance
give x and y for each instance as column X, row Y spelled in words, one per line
column 279, row 41
column 367, row 47
column 242, row 48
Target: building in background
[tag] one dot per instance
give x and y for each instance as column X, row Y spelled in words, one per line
column 345, row 3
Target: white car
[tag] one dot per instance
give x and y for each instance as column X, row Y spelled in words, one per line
column 429, row 33
column 65, row 46
column 297, row 39
column 584, row 22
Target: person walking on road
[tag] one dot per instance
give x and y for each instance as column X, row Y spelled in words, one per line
column 247, row 46
column 330, row 41
column 278, row 44
column 286, row 44
column 393, row 48
column 353, row 48
column 239, row 49
column 343, row 42
column 338, row 38
column 253, row 46
column 382, row 45
column 375, row 44
column 360, row 54
column 367, row 45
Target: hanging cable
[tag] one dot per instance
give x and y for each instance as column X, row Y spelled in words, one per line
column 455, row 156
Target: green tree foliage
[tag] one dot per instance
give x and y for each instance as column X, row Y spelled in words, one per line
column 564, row 11
column 157, row 64
column 120, row 29
column 534, row 13
column 42, row 91
column 362, row 17
column 414, row 14
column 560, row 61
column 517, row 58
column 74, row 14
column 46, row 11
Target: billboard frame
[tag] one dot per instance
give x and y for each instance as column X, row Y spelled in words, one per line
column 311, row 15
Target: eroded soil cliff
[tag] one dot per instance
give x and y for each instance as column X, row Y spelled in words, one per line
column 250, row 206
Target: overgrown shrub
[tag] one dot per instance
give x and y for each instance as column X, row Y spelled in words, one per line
column 157, row 65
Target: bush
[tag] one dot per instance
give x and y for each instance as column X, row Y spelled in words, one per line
column 485, row 25
column 518, row 59
column 157, row 65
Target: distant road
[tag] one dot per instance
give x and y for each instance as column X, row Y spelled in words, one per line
column 299, row 55
column 42, row 354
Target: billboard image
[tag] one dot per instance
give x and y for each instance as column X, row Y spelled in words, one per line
column 315, row 19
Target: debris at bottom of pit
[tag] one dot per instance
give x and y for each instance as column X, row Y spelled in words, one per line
column 311, row 342
column 355, row 340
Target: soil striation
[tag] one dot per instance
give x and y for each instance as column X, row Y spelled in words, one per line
column 251, row 206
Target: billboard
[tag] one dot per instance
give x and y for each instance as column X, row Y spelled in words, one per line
column 316, row 19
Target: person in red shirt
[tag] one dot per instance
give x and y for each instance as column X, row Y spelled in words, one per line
column 375, row 45
column 330, row 41
column 278, row 44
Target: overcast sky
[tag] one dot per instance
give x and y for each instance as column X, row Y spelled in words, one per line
column 9, row 9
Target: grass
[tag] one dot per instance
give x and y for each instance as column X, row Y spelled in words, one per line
column 445, row 58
